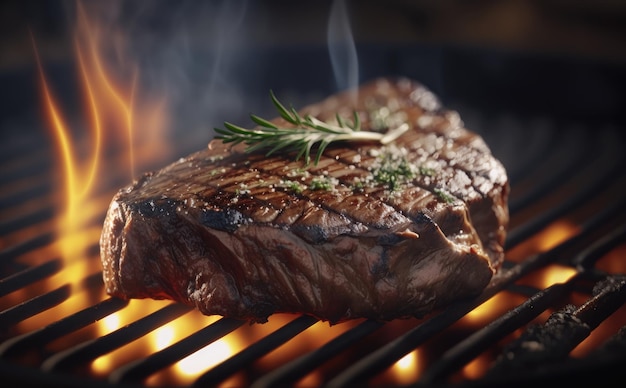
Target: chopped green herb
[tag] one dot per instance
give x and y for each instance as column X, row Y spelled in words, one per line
column 321, row 183
column 444, row 196
column 393, row 171
column 293, row 186
column 358, row 186
column 426, row 171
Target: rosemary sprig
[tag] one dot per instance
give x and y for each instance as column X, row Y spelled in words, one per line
column 307, row 132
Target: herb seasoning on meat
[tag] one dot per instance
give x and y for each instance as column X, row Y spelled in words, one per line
column 406, row 219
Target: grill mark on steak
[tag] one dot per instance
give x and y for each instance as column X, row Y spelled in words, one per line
column 232, row 177
column 228, row 181
column 343, row 202
column 222, row 229
column 379, row 194
column 225, row 184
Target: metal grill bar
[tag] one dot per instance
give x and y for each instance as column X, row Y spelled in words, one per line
column 588, row 257
column 291, row 371
column 29, row 275
column 298, row 368
column 542, row 143
column 25, row 246
column 563, row 330
column 145, row 367
column 385, row 356
column 609, row 295
column 255, row 351
column 33, row 306
column 465, row 351
column 586, row 229
column 90, row 350
column 473, row 345
column 584, row 160
column 24, row 174
column 603, row 367
column 601, row 174
column 37, row 338
column 567, row 157
column 24, row 220
column 388, row 354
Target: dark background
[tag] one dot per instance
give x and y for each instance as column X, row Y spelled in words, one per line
column 588, row 28
column 563, row 59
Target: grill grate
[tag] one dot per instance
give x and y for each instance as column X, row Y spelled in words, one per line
column 571, row 174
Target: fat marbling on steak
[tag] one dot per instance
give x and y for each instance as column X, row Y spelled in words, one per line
column 246, row 235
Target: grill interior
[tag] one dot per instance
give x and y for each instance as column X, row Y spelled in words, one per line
column 554, row 313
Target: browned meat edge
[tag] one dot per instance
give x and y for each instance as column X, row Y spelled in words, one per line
column 246, row 235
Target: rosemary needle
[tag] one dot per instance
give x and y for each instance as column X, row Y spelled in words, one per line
column 307, row 132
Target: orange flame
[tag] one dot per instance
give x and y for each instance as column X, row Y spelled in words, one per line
column 81, row 171
column 110, row 108
column 81, row 165
column 72, row 222
column 63, row 139
column 96, row 122
column 124, row 105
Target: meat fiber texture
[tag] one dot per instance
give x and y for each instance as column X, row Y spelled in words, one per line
column 246, row 235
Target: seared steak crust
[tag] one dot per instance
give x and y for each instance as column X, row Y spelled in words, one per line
column 246, row 235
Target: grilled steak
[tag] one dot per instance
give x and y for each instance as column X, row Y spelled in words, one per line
column 373, row 231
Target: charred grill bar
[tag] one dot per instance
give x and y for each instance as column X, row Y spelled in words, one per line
column 562, row 173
